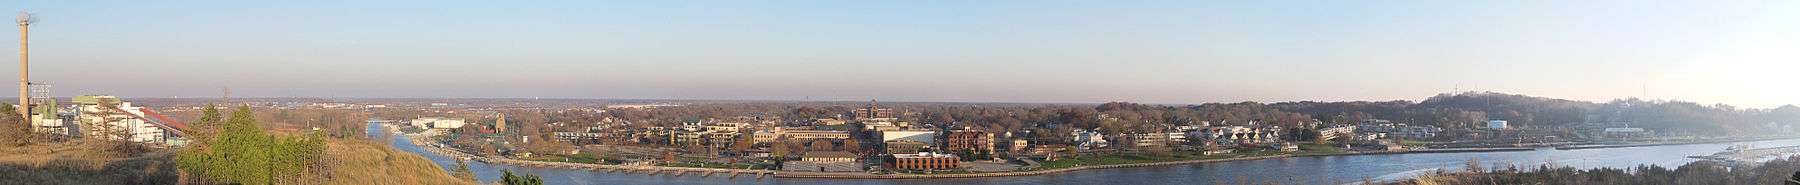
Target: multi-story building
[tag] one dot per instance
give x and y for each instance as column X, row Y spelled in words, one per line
column 824, row 161
column 1399, row 130
column 809, row 134
column 924, row 161
column 828, row 122
column 829, row 156
column 763, row 136
column 905, row 146
column 873, row 111
column 1334, row 132
column 1158, row 138
column 969, row 141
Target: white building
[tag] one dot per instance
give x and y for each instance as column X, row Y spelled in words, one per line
column 923, row 136
column 438, row 122
column 1496, row 124
column 124, row 121
column 1089, row 139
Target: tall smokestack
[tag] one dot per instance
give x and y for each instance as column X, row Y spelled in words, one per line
column 24, row 65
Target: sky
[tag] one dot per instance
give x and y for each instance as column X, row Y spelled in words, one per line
column 1173, row 52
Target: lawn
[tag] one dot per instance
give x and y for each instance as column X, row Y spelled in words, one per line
column 1319, row 149
column 583, row 158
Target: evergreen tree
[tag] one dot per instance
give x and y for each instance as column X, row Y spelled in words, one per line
column 209, row 122
column 508, row 178
column 462, row 171
column 242, row 153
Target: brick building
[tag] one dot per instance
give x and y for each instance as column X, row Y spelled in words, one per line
column 924, row 161
column 969, row 141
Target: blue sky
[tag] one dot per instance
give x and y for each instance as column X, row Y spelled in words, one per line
column 1738, row 52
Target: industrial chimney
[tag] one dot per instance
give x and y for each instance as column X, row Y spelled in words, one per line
column 24, row 65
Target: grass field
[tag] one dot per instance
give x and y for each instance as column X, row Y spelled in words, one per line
column 368, row 162
column 70, row 164
column 1319, row 149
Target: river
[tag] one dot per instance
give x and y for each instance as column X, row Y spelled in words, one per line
column 1303, row 170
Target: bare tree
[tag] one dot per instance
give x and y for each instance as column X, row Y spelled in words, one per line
column 107, row 131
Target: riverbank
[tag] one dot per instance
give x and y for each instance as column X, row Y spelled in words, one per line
column 1709, row 141
column 856, row 175
column 1342, row 161
column 644, row 169
column 759, row 174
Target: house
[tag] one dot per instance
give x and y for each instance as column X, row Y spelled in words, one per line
column 1018, row 145
column 1089, row 139
column 1241, row 134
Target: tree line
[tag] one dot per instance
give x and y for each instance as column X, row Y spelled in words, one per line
column 1777, row 171
column 238, row 151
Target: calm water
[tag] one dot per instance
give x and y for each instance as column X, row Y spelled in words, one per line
column 1309, row 170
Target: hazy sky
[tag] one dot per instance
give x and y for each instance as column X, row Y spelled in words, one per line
column 1738, row 52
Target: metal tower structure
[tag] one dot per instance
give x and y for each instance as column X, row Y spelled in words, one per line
column 41, row 99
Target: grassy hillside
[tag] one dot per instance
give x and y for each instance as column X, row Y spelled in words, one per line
column 351, row 162
column 367, row 162
column 73, row 164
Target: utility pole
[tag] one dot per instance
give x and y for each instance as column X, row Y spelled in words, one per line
column 24, row 65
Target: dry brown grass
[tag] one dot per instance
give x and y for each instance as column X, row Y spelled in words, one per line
column 365, row 162
column 353, row 162
column 75, row 164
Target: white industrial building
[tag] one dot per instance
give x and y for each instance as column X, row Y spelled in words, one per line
column 438, row 123
column 125, row 121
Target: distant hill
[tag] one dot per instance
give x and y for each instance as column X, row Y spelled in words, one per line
column 1469, row 109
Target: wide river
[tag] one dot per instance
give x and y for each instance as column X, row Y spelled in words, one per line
column 1301, row 170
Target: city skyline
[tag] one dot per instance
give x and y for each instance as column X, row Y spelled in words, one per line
column 1173, row 53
